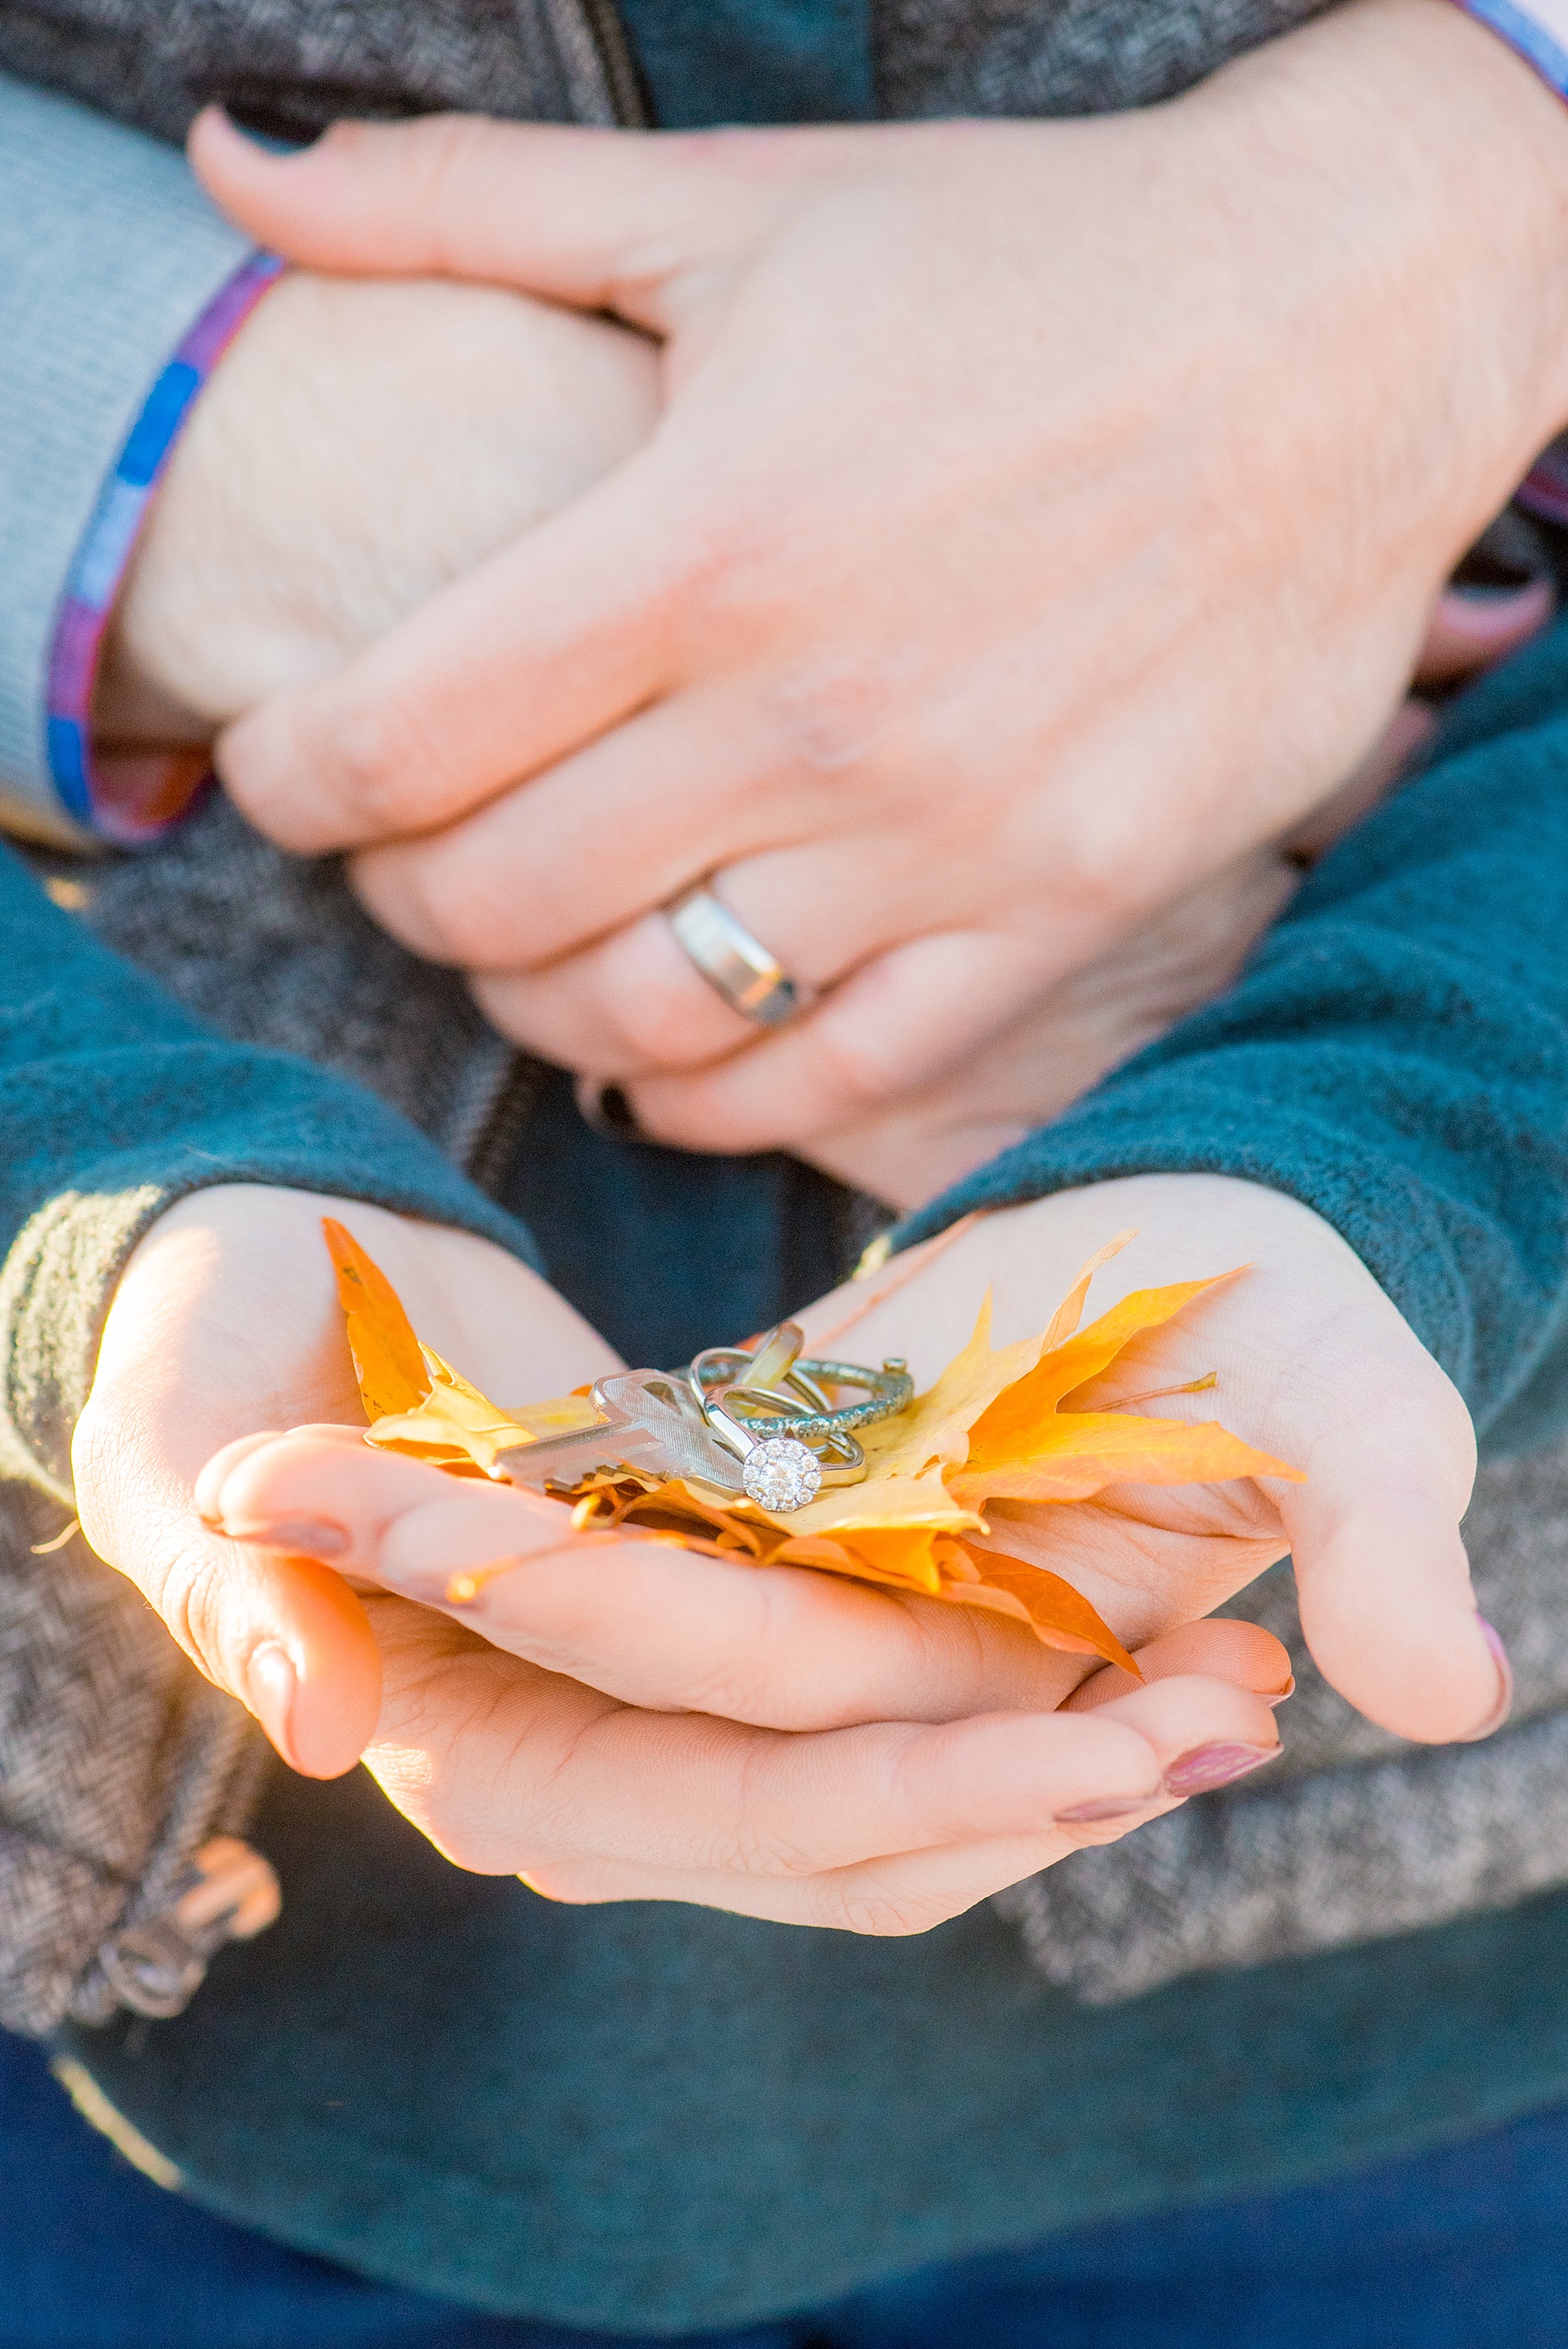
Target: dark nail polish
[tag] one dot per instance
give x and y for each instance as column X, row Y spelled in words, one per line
column 271, row 142
column 301, row 1536
column 1504, row 1704
column 1207, row 1767
column 609, row 1111
column 1106, row 1806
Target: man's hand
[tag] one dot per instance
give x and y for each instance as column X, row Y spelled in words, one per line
column 1044, row 516
column 360, row 444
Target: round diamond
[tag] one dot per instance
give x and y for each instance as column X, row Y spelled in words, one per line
column 781, row 1474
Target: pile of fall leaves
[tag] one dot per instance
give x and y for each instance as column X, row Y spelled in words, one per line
column 992, row 1428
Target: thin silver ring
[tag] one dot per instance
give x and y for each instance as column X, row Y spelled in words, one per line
column 718, row 1374
column 739, row 967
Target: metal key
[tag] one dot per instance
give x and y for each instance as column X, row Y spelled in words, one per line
column 651, row 1423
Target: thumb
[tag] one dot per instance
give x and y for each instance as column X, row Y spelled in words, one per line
column 604, row 219
column 283, row 1634
column 1387, row 1604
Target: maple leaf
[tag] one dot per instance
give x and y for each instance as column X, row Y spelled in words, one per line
column 1023, row 1446
column 992, row 1428
column 388, row 1359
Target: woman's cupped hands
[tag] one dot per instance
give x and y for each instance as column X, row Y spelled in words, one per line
column 616, row 1718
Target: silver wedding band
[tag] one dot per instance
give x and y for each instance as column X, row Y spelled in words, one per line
column 737, row 966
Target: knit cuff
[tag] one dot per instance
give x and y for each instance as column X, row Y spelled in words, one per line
column 138, row 799
column 1536, row 28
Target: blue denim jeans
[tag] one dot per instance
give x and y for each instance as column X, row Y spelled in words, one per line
column 1465, row 2249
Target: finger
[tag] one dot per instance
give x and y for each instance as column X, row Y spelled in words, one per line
column 573, row 1778
column 899, row 1023
column 605, row 220
column 1473, row 628
column 982, row 1801
column 1216, row 1648
column 282, row 1633
column 640, row 815
column 649, row 1622
column 527, row 656
column 1386, row 1604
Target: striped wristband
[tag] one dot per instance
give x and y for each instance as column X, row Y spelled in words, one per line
column 1538, row 30
column 141, row 795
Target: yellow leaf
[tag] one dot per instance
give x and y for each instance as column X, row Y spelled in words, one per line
column 936, row 1426
column 990, row 1428
column 388, row 1361
column 1012, row 1422
column 1078, row 1453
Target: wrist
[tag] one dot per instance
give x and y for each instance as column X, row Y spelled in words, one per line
column 1447, row 277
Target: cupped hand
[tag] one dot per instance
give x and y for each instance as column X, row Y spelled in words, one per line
column 1312, row 1364
column 1043, row 516
column 225, row 1320
column 616, row 1718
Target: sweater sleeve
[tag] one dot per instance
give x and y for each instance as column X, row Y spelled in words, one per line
column 114, row 1102
column 110, row 259
column 1396, row 1056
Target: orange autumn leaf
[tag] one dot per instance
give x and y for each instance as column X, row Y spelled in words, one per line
column 389, row 1360
column 990, row 1428
column 1024, row 1447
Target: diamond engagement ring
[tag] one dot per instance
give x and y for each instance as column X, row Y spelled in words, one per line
column 752, row 1402
column 736, row 965
column 761, row 1423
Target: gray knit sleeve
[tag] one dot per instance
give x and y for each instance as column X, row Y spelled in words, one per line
column 108, row 251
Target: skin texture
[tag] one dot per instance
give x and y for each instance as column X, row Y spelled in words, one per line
column 962, row 610
column 362, row 444
column 642, row 1722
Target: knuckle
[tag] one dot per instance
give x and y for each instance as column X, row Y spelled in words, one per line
column 385, row 758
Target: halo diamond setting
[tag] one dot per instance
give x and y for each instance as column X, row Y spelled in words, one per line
column 781, row 1474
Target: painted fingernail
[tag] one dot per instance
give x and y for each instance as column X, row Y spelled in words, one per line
column 272, row 1688
column 608, row 1109
column 301, row 1536
column 1207, row 1767
column 1280, row 1694
column 1504, row 1704
column 1106, row 1806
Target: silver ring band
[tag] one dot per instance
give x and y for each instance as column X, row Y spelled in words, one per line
column 729, row 1377
column 738, row 966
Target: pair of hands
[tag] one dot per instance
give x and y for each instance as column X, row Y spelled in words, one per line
column 617, row 1720
column 1003, row 536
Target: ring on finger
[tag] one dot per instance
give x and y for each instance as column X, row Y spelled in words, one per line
column 738, row 966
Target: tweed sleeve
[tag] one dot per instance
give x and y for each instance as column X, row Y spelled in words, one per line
column 119, row 284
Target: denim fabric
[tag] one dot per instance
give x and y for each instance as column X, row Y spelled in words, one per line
column 1465, row 2249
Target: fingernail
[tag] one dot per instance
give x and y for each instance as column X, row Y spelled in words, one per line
column 1280, row 1694
column 1504, row 1704
column 1207, row 1767
column 607, row 1110
column 1493, row 595
column 267, row 140
column 272, row 1688
column 301, row 1536
column 1106, row 1806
